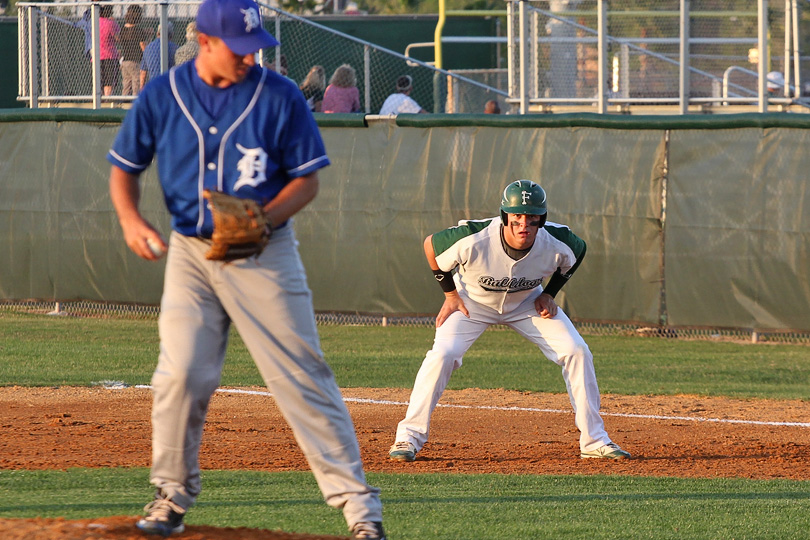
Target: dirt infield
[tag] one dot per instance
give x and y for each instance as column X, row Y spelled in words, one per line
column 479, row 431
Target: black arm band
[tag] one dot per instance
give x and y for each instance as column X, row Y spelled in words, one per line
column 555, row 283
column 558, row 279
column 445, row 280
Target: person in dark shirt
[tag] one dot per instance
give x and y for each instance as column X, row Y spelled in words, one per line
column 131, row 42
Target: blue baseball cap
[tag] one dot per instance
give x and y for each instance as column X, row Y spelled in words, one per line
column 237, row 23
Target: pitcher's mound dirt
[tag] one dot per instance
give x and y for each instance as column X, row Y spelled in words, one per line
column 121, row 528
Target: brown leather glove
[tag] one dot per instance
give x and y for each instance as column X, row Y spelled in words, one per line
column 241, row 229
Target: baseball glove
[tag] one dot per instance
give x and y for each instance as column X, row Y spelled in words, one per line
column 240, row 227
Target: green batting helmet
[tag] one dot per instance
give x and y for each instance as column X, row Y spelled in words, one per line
column 523, row 197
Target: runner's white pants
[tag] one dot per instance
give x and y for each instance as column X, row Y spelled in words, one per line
column 269, row 302
column 557, row 339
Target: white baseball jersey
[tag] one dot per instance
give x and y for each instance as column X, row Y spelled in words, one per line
column 493, row 286
column 489, row 276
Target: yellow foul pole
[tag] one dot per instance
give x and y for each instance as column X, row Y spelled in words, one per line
column 437, row 36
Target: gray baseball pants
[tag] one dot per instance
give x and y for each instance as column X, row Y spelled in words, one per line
column 270, row 304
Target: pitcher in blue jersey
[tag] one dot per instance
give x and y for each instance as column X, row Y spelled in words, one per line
column 224, row 123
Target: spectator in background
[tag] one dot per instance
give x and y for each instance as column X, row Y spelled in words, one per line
column 108, row 31
column 313, row 87
column 492, row 107
column 342, row 95
column 281, row 68
column 776, row 84
column 150, row 65
column 188, row 51
column 86, row 24
column 131, row 42
column 400, row 101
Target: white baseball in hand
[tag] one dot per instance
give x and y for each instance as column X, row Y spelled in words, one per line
column 155, row 247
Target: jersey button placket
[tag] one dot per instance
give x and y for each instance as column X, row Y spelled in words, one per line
column 212, row 164
column 505, row 294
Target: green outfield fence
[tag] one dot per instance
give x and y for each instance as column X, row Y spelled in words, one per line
column 696, row 225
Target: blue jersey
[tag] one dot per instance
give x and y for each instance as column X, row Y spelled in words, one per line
column 265, row 138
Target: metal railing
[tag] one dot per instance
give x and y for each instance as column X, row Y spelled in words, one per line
column 41, row 24
column 37, row 21
column 525, row 44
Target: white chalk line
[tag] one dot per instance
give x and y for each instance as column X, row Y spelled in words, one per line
column 536, row 410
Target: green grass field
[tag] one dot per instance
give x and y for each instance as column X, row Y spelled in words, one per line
column 39, row 350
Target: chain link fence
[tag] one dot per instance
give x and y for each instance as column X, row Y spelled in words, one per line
column 561, row 66
column 58, row 42
column 592, row 328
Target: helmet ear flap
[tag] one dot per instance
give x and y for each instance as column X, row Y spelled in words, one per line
column 542, row 220
column 503, row 217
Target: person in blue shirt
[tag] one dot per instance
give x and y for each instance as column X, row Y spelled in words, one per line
column 150, row 64
column 86, row 25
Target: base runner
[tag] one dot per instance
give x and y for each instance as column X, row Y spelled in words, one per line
column 500, row 265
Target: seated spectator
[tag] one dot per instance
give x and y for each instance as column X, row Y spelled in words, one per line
column 492, row 107
column 150, row 65
column 282, row 66
column 279, row 67
column 775, row 83
column 400, row 101
column 313, row 86
column 188, row 51
column 342, row 95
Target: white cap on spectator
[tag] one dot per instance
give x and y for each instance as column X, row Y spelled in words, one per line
column 775, row 80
